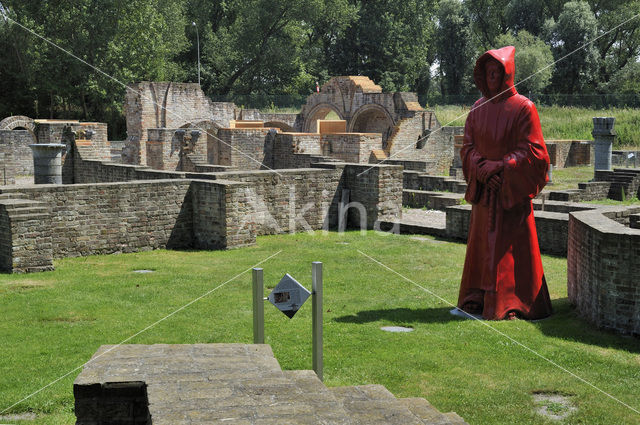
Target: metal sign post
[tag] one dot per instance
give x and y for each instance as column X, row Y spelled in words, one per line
column 258, row 307
column 316, row 321
column 288, row 296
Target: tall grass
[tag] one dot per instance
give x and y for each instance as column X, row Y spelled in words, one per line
column 561, row 122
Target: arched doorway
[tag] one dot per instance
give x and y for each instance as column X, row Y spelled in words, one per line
column 320, row 112
column 372, row 119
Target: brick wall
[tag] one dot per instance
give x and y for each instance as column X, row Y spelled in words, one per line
column 15, row 154
column 569, row 153
column 350, row 147
column 163, row 209
column 89, row 219
column 163, row 149
column 378, row 189
column 551, row 227
column 603, row 264
column 242, row 148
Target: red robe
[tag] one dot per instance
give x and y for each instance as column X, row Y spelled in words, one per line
column 503, row 270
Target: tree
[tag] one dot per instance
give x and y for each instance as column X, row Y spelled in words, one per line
column 532, row 58
column 575, row 28
column 389, row 42
column 488, row 20
column 130, row 40
column 618, row 46
column 528, row 15
column 454, row 48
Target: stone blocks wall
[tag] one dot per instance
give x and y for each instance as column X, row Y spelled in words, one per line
column 242, row 148
column 378, row 189
column 603, row 265
column 105, row 218
column 15, row 155
column 207, row 210
column 569, row 153
column 551, row 228
column 163, row 149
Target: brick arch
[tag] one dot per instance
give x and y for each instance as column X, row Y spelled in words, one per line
column 318, row 112
column 372, row 118
column 18, row 122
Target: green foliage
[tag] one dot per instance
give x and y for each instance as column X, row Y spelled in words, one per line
column 527, row 15
column 389, row 42
column 454, row 48
column 571, row 34
column 532, row 59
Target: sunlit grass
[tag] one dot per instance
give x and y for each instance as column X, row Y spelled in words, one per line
column 53, row 322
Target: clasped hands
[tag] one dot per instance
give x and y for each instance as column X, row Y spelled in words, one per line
column 489, row 173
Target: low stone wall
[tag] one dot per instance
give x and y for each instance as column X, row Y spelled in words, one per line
column 603, row 265
column 89, row 219
column 350, row 147
column 414, row 180
column 429, row 199
column 570, row 153
column 16, row 158
column 206, row 211
column 627, row 159
column 551, row 228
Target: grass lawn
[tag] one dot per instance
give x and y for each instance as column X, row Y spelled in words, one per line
column 53, row 322
column 560, row 122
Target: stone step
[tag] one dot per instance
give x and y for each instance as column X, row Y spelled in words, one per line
column 429, row 414
column 23, row 207
column 374, row 405
column 314, row 392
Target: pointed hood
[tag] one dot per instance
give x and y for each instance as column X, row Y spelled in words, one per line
column 505, row 56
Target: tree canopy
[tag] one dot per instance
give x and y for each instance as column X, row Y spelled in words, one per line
column 273, row 47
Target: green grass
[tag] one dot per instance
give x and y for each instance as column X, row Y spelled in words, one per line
column 569, row 177
column 53, row 322
column 565, row 122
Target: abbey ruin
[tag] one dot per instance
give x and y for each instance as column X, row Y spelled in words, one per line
column 194, row 173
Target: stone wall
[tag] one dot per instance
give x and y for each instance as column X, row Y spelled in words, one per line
column 242, row 148
column 16, row 158
column 166, row 105
column 551, row 227
column 378, row 189
column 87, row 219
column 163, row 149
column 603, row 265
column 160, row 209
column 570, row 153
column 350, row 147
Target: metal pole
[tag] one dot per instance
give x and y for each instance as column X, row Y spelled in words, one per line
column 258, row 307
column 198, row 42
column 316, row 292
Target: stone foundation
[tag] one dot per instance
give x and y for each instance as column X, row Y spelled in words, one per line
column 603, row 267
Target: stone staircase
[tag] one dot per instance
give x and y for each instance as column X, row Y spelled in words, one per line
column 19, row 208
column 18, row 217
column 623, row 180
column 228, row 383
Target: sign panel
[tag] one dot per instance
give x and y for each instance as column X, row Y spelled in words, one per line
column 288, row 295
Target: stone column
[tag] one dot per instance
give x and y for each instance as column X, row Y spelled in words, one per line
column 47, row 162
column 603, row 136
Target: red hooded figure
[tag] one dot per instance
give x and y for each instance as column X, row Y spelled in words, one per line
column 505, row 163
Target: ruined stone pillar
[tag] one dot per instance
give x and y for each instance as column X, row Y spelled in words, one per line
column 47, row 162
column 603, row 137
